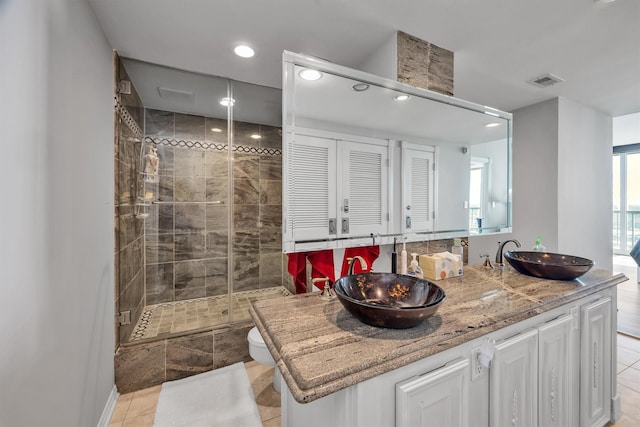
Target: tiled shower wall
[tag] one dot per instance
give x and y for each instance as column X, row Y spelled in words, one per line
column 129, row 260
column 187, row 234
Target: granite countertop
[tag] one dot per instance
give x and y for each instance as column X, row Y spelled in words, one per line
column 321, row 348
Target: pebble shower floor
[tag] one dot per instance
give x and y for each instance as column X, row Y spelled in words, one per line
column 180, row 316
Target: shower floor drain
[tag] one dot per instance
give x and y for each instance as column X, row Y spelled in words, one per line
column 181, row 316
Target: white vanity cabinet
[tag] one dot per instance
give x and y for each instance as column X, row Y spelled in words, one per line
column 336, row 188
column 514, row 381
column 418, row 406
column 558, row 370
column 596, row 363
column 553, row 369
column 311, row 188
column 418, row 175
column 533, row 380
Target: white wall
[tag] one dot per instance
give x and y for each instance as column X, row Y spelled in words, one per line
column 626, row 129
column 534, row 183
column 56, row 310
column 384, row 60
column 585, row 183
column 561, row 182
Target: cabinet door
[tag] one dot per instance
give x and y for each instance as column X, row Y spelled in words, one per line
column 311, row 183
column 514, row 380
column 417, row 188
column 362, row 187
column 438, row 398
column 595, row 363
column 555, row 379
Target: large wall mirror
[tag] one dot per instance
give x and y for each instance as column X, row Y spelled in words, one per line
column 330, row 196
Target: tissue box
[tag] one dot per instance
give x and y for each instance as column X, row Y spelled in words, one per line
column 441, row 265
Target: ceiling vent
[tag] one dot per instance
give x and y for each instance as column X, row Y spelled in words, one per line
column 546, row 80
column 175, row 94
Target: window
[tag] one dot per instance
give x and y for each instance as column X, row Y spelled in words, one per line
column 626, row 197
column 478, row 189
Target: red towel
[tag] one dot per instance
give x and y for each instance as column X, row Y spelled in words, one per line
column 369, row 253
column 321, row 266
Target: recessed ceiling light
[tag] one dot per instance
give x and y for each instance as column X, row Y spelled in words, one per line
column 243, row 50
column 255, row 136
column 401, row 97
column 227, row 102
column 216, row 130
column 309, row 74
column 360, row 87
column 492, row 125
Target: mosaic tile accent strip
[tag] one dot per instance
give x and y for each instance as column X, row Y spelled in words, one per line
column 212, row 146
column 126, row 117
column 181, row 316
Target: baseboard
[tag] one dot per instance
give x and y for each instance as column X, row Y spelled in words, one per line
column 616, row 412
column 107, row 412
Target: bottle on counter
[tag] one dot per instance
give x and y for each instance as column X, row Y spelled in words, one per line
column 457, row 248
column 414, row 267
column 403, row 259
column 539, row 247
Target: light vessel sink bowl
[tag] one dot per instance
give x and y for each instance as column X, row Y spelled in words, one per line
column 389, row 300
column 546, row 265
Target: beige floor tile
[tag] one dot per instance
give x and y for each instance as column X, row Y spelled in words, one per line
column 144, row 402
column 141, row 421
column 267, row 399
column 627, row 357
column 275, row 422
column 631, row 378
column 630, row 405
column 620, row 367
column 115, row 424
column 122, row 406
column 628, row 342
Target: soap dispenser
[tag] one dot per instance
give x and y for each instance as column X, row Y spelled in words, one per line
column 539, row 247
column 457, row 248
column 414, row 267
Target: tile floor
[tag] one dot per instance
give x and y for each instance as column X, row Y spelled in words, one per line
column 137, row 409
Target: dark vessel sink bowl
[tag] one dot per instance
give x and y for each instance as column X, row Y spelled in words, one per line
column 546, row 265
column 389, row 300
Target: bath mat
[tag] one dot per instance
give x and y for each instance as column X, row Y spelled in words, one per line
column 222, row 397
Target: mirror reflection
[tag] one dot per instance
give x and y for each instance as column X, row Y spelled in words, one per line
column 469, row 145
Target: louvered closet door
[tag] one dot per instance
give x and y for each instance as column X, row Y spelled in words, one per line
column 311, row 187
column 362, row 188
column 417, row 189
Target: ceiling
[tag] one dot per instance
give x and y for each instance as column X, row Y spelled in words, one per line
column 498, row 45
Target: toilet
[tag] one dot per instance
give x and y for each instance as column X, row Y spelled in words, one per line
column 260, row 353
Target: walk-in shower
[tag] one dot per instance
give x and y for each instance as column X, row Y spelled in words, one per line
column 202, row 191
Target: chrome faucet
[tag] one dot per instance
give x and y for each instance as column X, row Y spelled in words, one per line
column 363, row 263
column 499, row 259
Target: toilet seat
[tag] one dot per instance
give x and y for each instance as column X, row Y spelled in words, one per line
column 260, row 353
column 255, row 338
